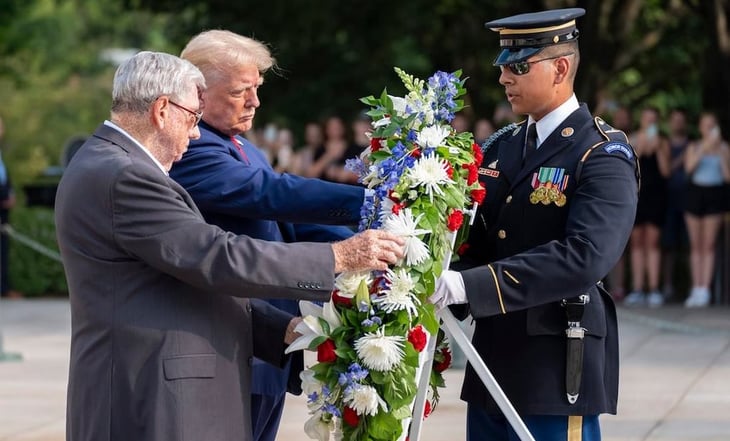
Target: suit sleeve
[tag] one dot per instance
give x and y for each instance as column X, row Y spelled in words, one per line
column 270, row 325
column 221, row 184
column 154, row 223
column 599, row 224
column 320, row 233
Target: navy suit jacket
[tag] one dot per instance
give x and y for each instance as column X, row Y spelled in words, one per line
column 235, row 188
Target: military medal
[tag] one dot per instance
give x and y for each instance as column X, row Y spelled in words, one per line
column 548, row 184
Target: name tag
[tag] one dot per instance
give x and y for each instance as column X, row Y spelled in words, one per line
column 489, row 172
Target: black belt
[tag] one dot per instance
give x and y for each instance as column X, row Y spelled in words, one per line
column 574, row 308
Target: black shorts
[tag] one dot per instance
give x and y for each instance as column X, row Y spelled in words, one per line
column 702, row 201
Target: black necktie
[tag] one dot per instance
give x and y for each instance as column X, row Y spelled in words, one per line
column 530, row 142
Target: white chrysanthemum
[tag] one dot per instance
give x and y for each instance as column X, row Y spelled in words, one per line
column 432, row 136
column 347, row 283
column 379, row 351
column 386, row 207
column 364, row 400
column 309, row 327
column 431, row 173
column 317, row 429
column 399, row 294
column 404, row 225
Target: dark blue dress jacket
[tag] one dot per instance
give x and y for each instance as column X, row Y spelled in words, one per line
column 527, row 253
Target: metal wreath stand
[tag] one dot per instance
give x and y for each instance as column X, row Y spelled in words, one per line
column 450, row 324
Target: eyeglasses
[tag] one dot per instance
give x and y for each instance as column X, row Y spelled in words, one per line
column 523, row 67
column 198, row 115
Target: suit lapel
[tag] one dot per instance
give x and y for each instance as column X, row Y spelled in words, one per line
column 510, row 154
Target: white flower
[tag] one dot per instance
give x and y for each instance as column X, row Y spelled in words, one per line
column 379, row 351
column 430, row 172
column 347, row 283
column 317, row 429
column 309, row 383
column 399, row 105
column 371, row 178
column 404, row 225
column 386, row 207
column 364, row 400
column 399, row 295
column 309, row 327
column 382, row 122
column 432, row 136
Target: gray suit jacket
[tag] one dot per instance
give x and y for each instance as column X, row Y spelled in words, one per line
column 160, row 350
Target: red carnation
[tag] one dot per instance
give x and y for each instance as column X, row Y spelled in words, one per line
column 375, row 144
column 441, row 366
column 350, row 416
column 456, row 218
column 478, row 155
column 473, row 173
column 427, row 410
column 462, row 249
column 479, row 194
column 417, row 338
column 450, row 171
column 326, row 352
column 416, row 153
column 398, row 207
column 337, row 299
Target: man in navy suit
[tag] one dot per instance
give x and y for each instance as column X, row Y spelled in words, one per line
column 561, row 199
column 235, row 188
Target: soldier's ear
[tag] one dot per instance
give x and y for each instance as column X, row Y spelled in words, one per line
column 562, row 68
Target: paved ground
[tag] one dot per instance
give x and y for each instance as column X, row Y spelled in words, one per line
column 675, row 378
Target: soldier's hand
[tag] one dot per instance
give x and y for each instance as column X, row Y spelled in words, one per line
column 371, row 249
column 449, row 290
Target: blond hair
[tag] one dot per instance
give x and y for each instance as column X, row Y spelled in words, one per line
column 217, row 52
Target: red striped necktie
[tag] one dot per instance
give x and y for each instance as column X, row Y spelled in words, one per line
column 239, row 146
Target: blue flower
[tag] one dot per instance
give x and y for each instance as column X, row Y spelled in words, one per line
column 357, row 166
column 331, row 409
column 311, row 398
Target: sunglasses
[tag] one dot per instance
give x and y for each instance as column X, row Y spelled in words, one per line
column 523, row 67
column 198, row 115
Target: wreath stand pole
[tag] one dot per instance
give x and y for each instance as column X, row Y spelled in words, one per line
column 449, row 323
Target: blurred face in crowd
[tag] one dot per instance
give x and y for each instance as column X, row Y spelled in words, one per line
column 622, row 119
column 232, row 98
column 708, row 126
column 649, row 117
column 313, row 134
column 678, row 123
column 543, row 88
column 334, row 128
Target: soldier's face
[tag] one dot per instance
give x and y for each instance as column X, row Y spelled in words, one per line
column 533, row 93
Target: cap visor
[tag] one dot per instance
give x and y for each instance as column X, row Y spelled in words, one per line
column 508, row 56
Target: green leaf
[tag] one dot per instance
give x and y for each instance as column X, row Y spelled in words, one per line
column 401, row 413
column 384, row 426
column 316, row 342
column 429, row 319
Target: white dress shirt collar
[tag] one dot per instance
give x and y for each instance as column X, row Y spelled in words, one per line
column 552, row 120
column 137, row 143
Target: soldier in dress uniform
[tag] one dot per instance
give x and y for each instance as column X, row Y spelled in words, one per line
column 561, row 199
